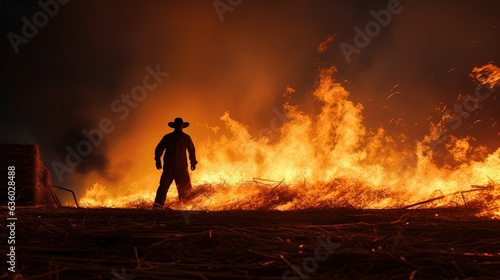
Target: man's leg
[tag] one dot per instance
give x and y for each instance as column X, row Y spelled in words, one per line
column 183, row 182
column 161, row 194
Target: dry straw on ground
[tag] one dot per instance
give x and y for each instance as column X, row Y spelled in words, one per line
column 449, row 243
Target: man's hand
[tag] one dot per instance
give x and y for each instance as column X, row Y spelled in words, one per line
column 158, row 164
column 193, row 166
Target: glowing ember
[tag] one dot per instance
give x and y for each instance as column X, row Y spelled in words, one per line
column 327, row 159
column 488, row 75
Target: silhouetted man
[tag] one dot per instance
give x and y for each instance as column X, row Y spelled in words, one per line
column 175, row 165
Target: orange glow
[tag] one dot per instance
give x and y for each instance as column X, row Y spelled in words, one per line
column 323, row 159
column 488, row 74
column 323, row 46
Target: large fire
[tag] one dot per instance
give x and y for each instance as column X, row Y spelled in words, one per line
column 328, row 159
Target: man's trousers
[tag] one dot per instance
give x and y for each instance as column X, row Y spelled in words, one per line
column 182, row 181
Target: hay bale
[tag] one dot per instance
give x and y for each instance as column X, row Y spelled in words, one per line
column 33, row 181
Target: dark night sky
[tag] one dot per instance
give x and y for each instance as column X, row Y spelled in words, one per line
column 65, row 78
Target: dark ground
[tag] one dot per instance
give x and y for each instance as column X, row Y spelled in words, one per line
column 311, row 244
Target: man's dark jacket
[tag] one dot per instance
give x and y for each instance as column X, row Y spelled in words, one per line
column 175, row 145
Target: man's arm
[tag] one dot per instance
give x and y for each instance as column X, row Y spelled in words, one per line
column 192, row 154
column 159, row 152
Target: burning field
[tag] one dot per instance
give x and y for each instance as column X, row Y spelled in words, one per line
column 329, row 159
column 335, row 201
column 324, row 152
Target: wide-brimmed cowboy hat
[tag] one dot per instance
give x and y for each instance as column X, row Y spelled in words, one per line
column 178, row 122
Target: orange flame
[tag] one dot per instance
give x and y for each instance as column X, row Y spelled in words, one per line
column 326, row 159
column 488, row 74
